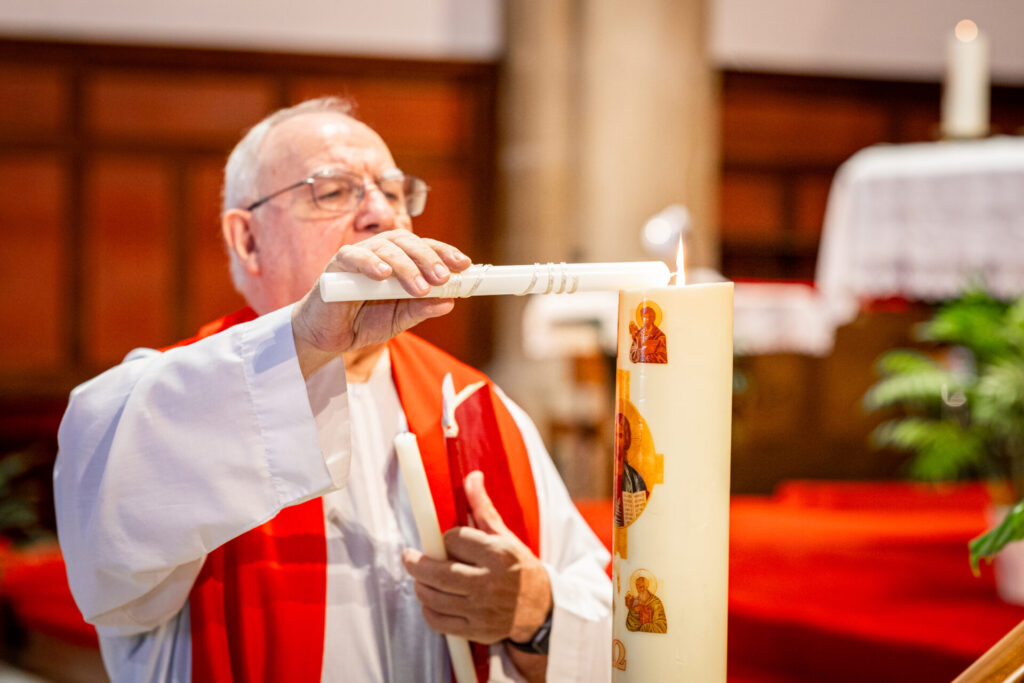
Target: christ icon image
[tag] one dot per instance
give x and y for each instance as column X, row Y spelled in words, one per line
column 630, row 490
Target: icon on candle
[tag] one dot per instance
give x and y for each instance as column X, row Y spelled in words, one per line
column 618, row 655
column 649, row 342
column 638, row 467
column 646, row 612
column 631, row 492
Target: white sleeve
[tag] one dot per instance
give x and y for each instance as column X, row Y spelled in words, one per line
column 580, row 648
column 169, row 455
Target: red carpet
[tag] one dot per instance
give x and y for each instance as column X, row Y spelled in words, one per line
column 855, row 582
column 828, row 582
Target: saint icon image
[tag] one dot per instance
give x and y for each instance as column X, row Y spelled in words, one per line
column 649, row 342
column 630, row 491
column 646, row 613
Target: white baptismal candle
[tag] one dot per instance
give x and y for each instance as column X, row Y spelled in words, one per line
column 481, row 280
column 411, row 465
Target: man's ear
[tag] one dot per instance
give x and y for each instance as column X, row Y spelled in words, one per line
column 236, row 224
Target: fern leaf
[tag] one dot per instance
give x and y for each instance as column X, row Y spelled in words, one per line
column 904, row 362
column 923, row 388
column 976, row 322
column 943, row 449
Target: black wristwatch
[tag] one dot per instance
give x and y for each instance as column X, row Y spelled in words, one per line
column 538, row 644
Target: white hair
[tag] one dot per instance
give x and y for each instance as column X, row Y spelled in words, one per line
column 242, row 168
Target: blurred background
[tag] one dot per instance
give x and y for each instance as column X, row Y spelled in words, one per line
column 548, row 130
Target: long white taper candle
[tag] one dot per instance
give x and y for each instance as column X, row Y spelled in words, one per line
column 539, row 278
column 411, row 465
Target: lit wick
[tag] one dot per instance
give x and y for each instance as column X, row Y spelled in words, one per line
column 680, row 273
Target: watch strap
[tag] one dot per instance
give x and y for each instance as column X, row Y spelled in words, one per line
column 538, row 643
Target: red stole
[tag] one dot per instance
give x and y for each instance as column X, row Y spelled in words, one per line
column 257, row 608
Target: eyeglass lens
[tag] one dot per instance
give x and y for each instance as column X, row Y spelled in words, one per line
column 340, row 193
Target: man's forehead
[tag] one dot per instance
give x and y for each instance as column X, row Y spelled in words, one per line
column 318, row 139
column 318, row 124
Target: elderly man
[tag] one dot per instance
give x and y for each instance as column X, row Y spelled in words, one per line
column 231, row 509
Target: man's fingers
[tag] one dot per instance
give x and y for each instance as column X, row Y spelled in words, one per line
column 425, row 255
column 442, row 602
column 492, row 582
column 406, row 270
column 356, row 258
column 415, row 262
column 414, row 311
column 470, row 617
column 485, row 515
column 323, row 330
column 453, row 258
column 446, row 623
column 454, row 578
column 493, row 552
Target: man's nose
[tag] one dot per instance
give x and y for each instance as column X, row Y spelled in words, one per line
column 374, row 213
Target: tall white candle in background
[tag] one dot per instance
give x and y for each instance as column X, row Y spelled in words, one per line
column 965, row 95
column 672, row 452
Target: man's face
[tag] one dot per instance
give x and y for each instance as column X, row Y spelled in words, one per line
column 295, row 238
column 641, row 584
column 649, row 316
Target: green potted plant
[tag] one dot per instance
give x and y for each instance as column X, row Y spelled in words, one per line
column 962, row 405
column 22, row 473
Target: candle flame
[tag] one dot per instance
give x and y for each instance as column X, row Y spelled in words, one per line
column 680, row 264
column 966, row 31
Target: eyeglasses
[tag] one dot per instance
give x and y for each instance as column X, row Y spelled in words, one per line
column 339, row 191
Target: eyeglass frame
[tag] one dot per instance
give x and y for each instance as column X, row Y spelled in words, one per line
column 309, row 180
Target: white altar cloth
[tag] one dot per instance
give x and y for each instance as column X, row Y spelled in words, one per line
column 923, row 221
column 920, row 221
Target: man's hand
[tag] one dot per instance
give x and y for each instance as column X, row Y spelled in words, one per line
column 491, row 588
column 324, row 330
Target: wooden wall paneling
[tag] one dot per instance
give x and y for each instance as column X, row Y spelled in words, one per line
column 751, row 205
column 850, row 370
column 915, row 121
column 168, row 107
column 790, row 258
column 179, row 248
column 129, row 258
column 33, row 296
column 777, row 128
column 34, row 100
column 445, row 218
column 1007, row 109
column 811, row 198
column 424, row 116
column 210, row 293
column 774, row 420
column 126, row 249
